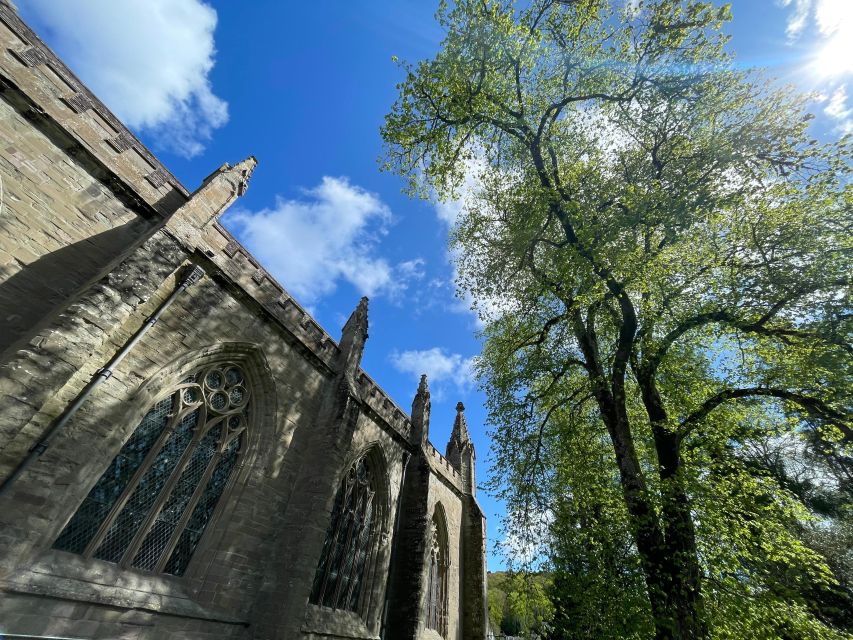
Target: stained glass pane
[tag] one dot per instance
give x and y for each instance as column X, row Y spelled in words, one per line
column 85, row 523
column 233, row 375
column 213, row 379
column 192, row 395
column 170, row 515
column 360, row 560
column 236, row 396
column 214, row 391
column 328, row 541
column 129, row 519
column 348, row 544
column 436, row 613
column 218, row 400
column 203, row 511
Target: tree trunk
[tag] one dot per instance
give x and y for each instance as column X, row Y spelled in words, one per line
column 646, row 530
column 684, row 576
column 668, row 553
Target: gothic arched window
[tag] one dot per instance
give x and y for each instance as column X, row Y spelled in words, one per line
column 350, row 540
column 436, row 610
column 150, row 507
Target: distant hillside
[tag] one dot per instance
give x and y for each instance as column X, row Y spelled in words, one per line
column 518, row 603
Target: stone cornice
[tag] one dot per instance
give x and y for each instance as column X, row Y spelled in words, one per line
column 443, row 469
column 31, row 65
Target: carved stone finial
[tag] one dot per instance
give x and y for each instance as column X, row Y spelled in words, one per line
column 353, row 337
column 460, row 449
column 357, row 320
column 237, row 177
column 420, row 412
column 217, row 192
column 245, row 170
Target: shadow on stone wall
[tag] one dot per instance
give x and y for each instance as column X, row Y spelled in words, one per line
column 275, row 514
column 30, row 297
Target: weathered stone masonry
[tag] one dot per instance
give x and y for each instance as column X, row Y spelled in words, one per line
column 94, row 235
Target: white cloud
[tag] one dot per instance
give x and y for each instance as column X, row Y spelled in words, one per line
column 412, row 269
column 148, row 60
column 833, row 16
column 834, row 20
column 831, row 23
column 839, row 110
column 448, row 211
column 440, row 367
column 331, row 234
column 798, row 17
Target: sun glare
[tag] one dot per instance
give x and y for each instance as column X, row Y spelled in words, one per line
column 835, row 57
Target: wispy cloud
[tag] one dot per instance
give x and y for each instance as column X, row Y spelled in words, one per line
column 329, row 235
column 838, row 109
column 443, row 369
column 798, row 17
column 412, row 269
column 148, row 60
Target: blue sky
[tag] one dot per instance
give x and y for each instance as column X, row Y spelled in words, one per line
column 304, row 87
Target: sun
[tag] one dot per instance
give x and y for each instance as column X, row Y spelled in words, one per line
column 835, row 58
column 835, row 22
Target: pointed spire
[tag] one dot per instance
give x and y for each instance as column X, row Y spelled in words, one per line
column 357, row 322
column 460, row 426
column 420, row 413
column 460, row 450
column 238, row 175
column 353, row 337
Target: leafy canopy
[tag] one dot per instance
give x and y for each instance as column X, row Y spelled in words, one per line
column 661, row 254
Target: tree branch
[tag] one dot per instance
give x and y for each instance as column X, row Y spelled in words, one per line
column 815, row 407
column 757, row 326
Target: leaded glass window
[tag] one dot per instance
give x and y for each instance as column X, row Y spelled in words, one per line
column 436, row 617
column 150, row 507
column 350, row 541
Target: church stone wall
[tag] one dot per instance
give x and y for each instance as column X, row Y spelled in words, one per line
column 78, row 188
column 57, row 220
column 94, row 235
column 441, row 494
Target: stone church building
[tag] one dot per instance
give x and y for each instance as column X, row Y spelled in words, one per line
column 184, row 452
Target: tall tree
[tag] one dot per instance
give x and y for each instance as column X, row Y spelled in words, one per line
column 653, row 232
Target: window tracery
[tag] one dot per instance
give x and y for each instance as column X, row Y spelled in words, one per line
column 150, row 507
column 438, row 563
column 350, row 542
